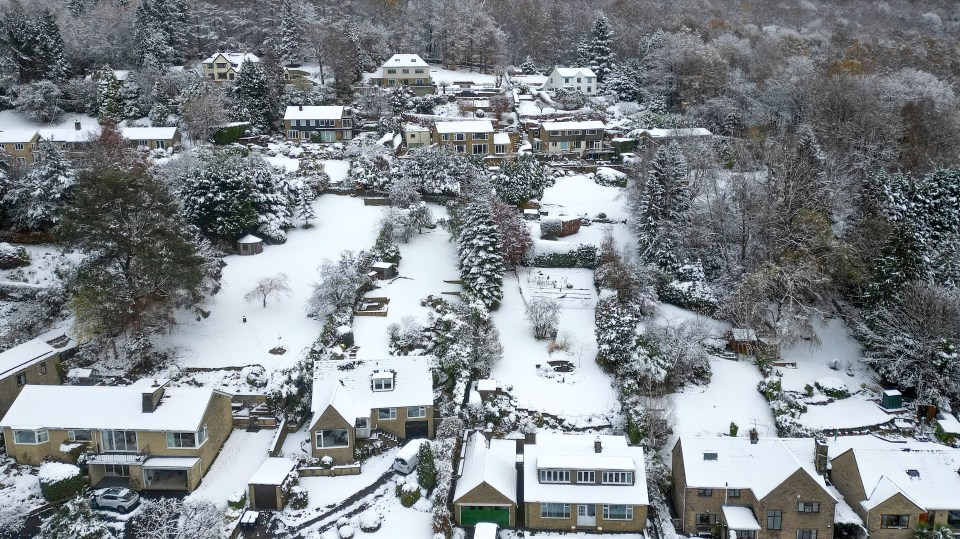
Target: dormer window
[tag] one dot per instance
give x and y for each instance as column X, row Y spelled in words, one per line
column 554, row 476
column 617, row 478
column 383, row 381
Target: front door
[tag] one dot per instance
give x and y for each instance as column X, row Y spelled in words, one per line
column 587, row 515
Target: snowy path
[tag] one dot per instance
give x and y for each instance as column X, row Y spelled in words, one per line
column 239, row 458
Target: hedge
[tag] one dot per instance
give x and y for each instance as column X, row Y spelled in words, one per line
column 59, row 481
column 582, row 256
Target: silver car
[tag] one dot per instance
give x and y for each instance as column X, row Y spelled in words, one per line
column 118, row 499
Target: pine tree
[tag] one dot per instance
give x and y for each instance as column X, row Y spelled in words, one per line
column 110, row 105
column 150, row 34
column 663, row 209
column 50, row 47
column 305, row 198
column 528, row 67
column 601, row 58
column 34, row 202
column 251, row 97
column 584, row 57
column 521, row 180
column 481, row 259
column 162, row 107
column 286, row 37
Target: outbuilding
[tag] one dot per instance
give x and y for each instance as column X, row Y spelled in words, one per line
column 384, row 270
column 249, row 245
column 267, row 488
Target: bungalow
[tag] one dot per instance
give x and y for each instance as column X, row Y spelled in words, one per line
column 152, row 138
column 224, row 66
column 487, row 487
column 33, row 362
column 143, row 436
column 753, row 488
column 473, row 137
column 666, row 135
column 579, row 79
column 894, row 489
column 19, row 145
column 73, row 142
column 404, row 70
column 353, row 398
column 580, row 138
column 584, row 482
column 318, row 123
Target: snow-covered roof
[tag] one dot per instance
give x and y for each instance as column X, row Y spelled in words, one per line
column 743, row 335
column 103, row 407
column 467, row 126
column 494, row 465
column 892, row 393
column 487, row 384
column 84, row 134
column 148, row 133
column 734, row 462
column 571, row 447
column 273, row 471
column 501, row 138
column 405, row 60
column 740, row 518
column 236, row 58
column 383, row 265
column 574, row 71
column 676, row 133
column 78, row 372
column 11, row 136
column 949, row 423
column 485, row 530
column 170, row 463
column 249, row 238
column 313, row 112
column 567, row 126
column 928, row 477
column 415, row 128
column 24, row 355
column 593, row 461
column 347, row 385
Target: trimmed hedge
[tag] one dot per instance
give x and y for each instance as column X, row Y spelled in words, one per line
column 583, row 256
column 59, row 489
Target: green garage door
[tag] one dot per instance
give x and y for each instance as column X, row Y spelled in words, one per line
column 472, row 514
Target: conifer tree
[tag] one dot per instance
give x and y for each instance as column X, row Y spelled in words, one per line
column 162, row 107
column 110, row 105
column 305, row 198
column 481, row 259
column 34, row 202
column 584, row 58
column 251, row 97
column 601, row 58
column 50, row 47
column 663, row 208
column 528, row 67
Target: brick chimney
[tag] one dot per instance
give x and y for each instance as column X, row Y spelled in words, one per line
column 300, row 106
column 820, row 456
column 76, row 126
column 151, row 396
column 754, row 436
column 597, row 445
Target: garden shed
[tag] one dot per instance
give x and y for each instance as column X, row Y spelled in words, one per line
column 384, row 270
column 249, row 245
column 266, row 489
column 892, row 400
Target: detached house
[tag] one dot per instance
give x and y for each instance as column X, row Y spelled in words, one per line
column 579, row 79
column 318, row 124
column 152, row 138
column 404, row 70
column 580, row 138
column 352, row 399
column 473, row 137
column 584, row 482
column 143, row 436
column 753, row 488
column 33, row 362
column 19, row 145
column 224, row 66
column 487, row 488
column 895, row 489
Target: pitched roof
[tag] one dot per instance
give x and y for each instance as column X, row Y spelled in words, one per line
column 494, row 465
column 148, row 133
column 312, row 112
column 574, row 71
column 106, row 407
column 734, row 462
column 233, row 57
column 465, row 126
column 405, row 60
column 561, row 126
column 677, row 133
column 347, row 385
column 65, row 134
column 10, row 136
column 24, row 355
column 928, row 477
column 249, row 238
column 552, row 449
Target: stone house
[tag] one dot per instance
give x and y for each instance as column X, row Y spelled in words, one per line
column 894, row 489
column 580, row 79
column 578, row 138
column 151, row 138
column 318, row 123
column 354, row 398
column 143, row 436
column 584, row 482
column 486, row 490
column 33, row 362
column 224, row 66
column 754, row 488
column 404, row 70
column 19, row 145
column 472, row 137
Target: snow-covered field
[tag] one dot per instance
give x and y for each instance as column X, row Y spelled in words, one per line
column 223, row 339
column 580, row 195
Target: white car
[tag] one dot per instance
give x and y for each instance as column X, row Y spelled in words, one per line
column 118, row 499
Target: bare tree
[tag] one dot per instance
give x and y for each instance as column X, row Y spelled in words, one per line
column 544, row 314
column 340, row 283
column 170, row 518
column 203, row 108
column 277, row 285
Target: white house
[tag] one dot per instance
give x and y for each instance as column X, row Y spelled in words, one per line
column 572, row 78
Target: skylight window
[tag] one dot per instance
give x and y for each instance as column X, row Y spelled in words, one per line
column 709, row 456
column 914, row 473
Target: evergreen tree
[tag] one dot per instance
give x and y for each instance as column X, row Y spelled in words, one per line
column 663, row 209
column 528, row 67
column 481, row 258
column 150, row 37
column 34, row 202
column 285, row 40
column 625, row 81
column 584, row 58
column 305, row 198
column 521, row 180
column 426, row 467
column 110, row 105
column 34, row 45
column 251, row 101
column 50, row 47
column 600, row 56
column 162, row 108
column 385, row 248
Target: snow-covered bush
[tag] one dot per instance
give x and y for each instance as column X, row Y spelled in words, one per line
column 832, row 387
column 409, row 493
column 346, row 532
column 551, row 227
column 689, row 289
column 297, row 498
column 406, row 336
column 60, row 481
column 341, row 283
column 582, row 256
column 370, row 520
column 38, row 101
column 75, row 520
column 13, row 257
column 543, row 313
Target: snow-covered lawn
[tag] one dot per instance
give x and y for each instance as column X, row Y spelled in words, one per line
column 44, row 260
column 530, row 108
column 239, row 458
column 223, row 339
column 438, row 74
column 580, row 195
column 11, row 119
column 328, row 491
column 427, row 260
column 578, row 395
column 337, row 169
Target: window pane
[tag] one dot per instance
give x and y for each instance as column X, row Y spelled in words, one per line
column 25, row 436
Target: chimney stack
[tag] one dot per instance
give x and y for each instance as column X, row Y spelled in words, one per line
column 597, row 445
column 300, row 106
column 151, row 396
column 754, row 436
column 820, row 456
column 76, row 125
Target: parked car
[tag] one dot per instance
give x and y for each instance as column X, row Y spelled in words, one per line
column 118, row 499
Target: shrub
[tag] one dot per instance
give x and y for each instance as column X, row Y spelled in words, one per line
column 408, row 493
column 582, row 256
column 370, row 521
column 426, row 467
column 551, row 227
column 13, row 257
column 297, row 499
column 733, row 429
column 59, row 481
column 238, row 500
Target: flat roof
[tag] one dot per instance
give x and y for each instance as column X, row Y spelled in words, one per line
column 273, row 471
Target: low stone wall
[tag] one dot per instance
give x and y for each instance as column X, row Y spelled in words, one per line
column 347, row 469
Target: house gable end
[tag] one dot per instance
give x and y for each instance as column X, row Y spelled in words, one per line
column 799, row 480
column 330, row 418
column 484, row 493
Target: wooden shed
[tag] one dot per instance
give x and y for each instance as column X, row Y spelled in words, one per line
column 892, row 400
column 249, row 245
column 266, row 489
column 742, row 340
column 384, row 270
